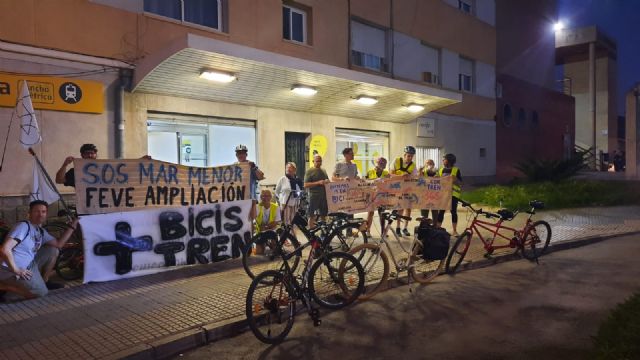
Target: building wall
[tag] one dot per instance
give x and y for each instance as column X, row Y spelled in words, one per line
column 62, row 132
column 606, row 128
column 520, row 141
column 464, row 138
column 271, row 125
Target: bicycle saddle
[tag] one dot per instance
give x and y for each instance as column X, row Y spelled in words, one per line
column 536, row 204
column 505, row 214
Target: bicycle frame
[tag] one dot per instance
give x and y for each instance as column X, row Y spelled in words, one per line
column 495, row 228
column 383, row 240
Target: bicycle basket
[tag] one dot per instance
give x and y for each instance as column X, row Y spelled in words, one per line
column 435, row 242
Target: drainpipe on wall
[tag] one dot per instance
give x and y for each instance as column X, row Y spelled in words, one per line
column 124, row 82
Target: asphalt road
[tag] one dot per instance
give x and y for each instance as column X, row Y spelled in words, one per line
column 511, row 310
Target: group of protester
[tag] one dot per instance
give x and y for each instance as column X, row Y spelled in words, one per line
column 28, row 252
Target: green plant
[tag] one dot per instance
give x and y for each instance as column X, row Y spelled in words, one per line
column 619, row 335
column 557, row 195
column 553, row 170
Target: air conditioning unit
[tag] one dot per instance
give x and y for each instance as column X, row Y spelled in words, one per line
column 430, row 77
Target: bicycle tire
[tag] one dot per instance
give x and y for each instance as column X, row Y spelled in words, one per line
column 373, row 256
column 543, row 231
column 536, row 240
column 456, row 256
column 270, row 318
column 421, row 269
column 69, row 264
column 336, row 280
column 348, row 236
column 255, row 264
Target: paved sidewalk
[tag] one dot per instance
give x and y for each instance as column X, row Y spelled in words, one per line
column 159, row 315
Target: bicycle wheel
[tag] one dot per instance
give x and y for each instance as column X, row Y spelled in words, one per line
column 346, row 237
column 272, row 258
column 70, row 263
column 421, row 269
column 270, row 309
column 57, row 229
column 336, row 280
column 542, row 231
column 375, row 264
column 536, row 240
column 458, row 252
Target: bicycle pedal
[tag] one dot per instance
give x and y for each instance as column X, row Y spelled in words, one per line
column 393, row 275
column 317, row 322
column 488, row 256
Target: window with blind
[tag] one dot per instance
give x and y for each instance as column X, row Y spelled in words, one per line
column 424, row 153
column 465, row 77
column 206, row 13
column 368, row 46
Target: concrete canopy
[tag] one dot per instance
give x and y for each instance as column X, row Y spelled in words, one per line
column 265, row 79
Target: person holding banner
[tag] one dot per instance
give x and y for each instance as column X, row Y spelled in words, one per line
column 378, row 172
column 28, row 254
column 314, row 180
column 288, row 183
column 256, row 174
column 428, row 170
column 346, row 170
column 267, row 219
column 404, row 166
column 448, row 169
column 67, row 178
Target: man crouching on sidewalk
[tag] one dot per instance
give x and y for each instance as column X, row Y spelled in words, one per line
column 28, row 254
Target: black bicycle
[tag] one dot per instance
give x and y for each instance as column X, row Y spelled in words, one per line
column 331, row 279
column 341, row 233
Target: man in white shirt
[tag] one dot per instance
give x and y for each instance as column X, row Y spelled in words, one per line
column 28, row 254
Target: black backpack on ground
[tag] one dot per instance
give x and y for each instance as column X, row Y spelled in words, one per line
column 435, row 241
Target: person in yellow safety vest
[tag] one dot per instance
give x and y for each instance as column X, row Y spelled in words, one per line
column 267, row 219
column 378, row 172
column 448, row 169
column 404, row 166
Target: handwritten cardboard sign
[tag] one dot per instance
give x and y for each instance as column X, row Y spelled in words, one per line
column 127, row 244
column 104, row 186
column 355, row 196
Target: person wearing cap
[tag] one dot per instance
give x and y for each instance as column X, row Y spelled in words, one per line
column 378, row 172
column 67, row 178
column 87, row 151
column 448, row 169
column 28, row 254
column 255, row 175
column 404, row 166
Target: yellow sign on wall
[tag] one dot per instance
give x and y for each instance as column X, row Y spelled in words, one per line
column 54, row 93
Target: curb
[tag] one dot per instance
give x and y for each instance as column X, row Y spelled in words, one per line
column 172, row 345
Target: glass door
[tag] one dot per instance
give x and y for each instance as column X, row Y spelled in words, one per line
column 193, row 149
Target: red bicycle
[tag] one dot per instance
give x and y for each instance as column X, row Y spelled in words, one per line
column 532, row 240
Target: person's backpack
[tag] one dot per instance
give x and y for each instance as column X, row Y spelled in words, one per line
column 435, row 241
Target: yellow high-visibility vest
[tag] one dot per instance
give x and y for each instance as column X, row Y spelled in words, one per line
column 372, row 174
column 273, row 208
column 456, row 190
column 399, row 170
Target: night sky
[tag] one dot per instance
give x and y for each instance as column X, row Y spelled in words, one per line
column 620, row 20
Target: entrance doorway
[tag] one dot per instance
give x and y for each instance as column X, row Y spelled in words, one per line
column 296, row 149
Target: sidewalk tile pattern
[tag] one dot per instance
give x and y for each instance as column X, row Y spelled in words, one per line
column 96, row 320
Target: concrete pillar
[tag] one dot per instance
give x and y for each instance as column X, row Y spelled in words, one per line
column 632, row 131
column 592, row 99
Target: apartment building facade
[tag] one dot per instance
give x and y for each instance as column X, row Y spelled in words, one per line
column 426, row 67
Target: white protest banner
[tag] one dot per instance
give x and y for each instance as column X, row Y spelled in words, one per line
column 128, row 244
column 104, row 186
column 392, row 193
